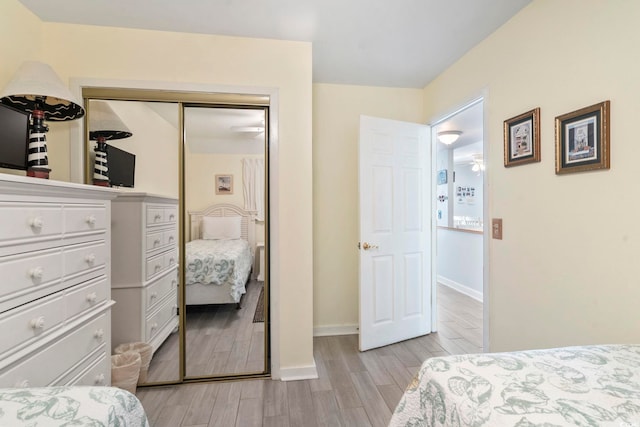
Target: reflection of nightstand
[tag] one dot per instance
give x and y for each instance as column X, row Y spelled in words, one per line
column 260, row 251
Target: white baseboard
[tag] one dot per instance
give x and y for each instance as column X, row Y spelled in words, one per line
column 299, row 373
column 461, row 288
column 324, row 331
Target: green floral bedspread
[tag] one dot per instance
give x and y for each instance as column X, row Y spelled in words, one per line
column 219, row 262
column 588, row 386
column 70, row 406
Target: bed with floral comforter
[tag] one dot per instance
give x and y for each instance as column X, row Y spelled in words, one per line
column 219, row 263
column 587, row 386
column 70, row 406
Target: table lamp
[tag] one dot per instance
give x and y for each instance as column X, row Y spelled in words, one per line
column 37, row 89
column 104, row 125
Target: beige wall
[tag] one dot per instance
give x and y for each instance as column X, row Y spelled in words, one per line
column 114, row 53
column 336, row 115
column 567, row 270
column 22, row 32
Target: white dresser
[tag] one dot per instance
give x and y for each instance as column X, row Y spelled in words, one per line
column 145, row 268
column 55, row 296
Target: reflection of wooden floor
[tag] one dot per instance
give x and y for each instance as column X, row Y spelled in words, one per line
column 220, row 340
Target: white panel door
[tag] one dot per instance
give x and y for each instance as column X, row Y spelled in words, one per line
column 395, row 231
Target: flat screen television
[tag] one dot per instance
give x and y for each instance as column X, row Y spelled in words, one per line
column 14, row 138
column 122, row 167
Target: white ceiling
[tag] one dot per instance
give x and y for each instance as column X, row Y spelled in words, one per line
column 401, row 43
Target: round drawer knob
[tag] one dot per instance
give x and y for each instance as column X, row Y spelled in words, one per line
column 36, row 273
column 154, row 326
column 171, row 239
column 90, row 259
column 158, row 267
column 36, row 223
column 154, row 295
column 98, row 334
column 90, row 220
column 171, row 261
column 22, row 384
column 158, row 217
column 99, row 379
column 37, row 323
column 172, row 217
column 92, row 297
column 156, row 242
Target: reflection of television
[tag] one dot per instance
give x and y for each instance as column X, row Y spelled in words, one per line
column 14, row 138
column 122, row 167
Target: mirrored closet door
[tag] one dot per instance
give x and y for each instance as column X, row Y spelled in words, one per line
column 224, row 168
column 189, row 240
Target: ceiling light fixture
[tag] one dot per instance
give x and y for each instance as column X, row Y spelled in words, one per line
column 448, row 137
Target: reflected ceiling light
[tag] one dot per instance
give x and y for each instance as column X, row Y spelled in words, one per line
column 449, row 136
column 247, row 128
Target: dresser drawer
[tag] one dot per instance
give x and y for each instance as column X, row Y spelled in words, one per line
column 86, row 296
column 23, row 272
column 154, row 241
column 154, row 265
column 155, row 216
column 31, row 321
column 162, row 215
column 28, row 220
column 158, row 319
column 85, row 218
column 97, row 374
column 79, row 258
column 170, row 237
column 171, row 258
column 51, row 362
column 156, row 292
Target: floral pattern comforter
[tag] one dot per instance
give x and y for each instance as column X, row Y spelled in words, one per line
column 587, row 386
column 219, row 262
column 70, row 406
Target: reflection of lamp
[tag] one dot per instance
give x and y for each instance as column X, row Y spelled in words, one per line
column 449, row 136
column 104, row 124
column 37, row 89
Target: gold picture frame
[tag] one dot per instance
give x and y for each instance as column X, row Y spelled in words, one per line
column 582, row 139
column 224, row 184
column 522, row 139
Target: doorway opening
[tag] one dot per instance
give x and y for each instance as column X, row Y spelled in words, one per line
column 460, row 236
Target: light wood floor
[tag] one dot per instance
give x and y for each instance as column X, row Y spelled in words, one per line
column 221, row 340
column 353, row 388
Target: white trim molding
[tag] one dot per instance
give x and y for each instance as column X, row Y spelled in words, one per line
column 461, row 288
column 330, row 330
column 299, row 373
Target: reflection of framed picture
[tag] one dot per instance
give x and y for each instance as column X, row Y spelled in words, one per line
column 224, row 184
column 442, row 176
column 582, row 139
column 522, row 139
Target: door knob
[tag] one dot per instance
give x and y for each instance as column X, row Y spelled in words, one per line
column 366, row 246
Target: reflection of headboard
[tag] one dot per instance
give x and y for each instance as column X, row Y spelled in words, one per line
column 247, row 223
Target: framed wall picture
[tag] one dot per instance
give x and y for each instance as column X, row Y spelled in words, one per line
column 522, row 139
column 224, row 184
column 582, row 139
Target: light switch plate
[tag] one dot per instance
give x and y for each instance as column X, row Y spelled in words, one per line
column 496, row 228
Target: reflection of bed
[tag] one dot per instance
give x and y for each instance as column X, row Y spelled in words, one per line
column 571, row 386
column 220, row 255
column 70, row 406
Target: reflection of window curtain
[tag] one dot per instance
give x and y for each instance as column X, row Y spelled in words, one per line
column 253, row 182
